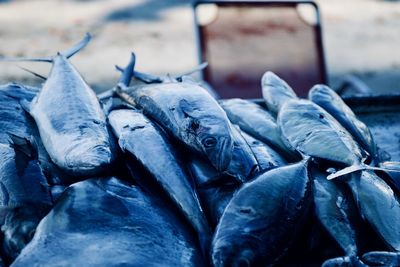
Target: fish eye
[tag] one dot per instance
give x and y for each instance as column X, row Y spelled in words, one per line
column 209, row 142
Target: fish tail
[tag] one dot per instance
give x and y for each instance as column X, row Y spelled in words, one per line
column 24, row 145
column 127, row 72
column 67, row 53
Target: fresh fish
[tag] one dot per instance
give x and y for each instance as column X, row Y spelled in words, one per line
column 141, row 140
column 214, row 196
column 258, row 122
column 336, row 212
column 189, row 114
column 107, row 222
column 262, row 219
column 275, row 91
column 314, row 132
column 266, row 157
column 329, row 100
column 24, row 194
column 70, row 120
column 15, row 120
column 380, row 207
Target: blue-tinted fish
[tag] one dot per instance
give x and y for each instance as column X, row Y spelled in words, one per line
column 69, row 117
column 107, row 222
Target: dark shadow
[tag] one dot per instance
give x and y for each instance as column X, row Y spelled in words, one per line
column 149, row 10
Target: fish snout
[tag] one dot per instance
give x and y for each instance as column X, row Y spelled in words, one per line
column 89, row 161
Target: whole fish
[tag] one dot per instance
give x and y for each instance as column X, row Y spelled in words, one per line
column 70, row 120
column 329, row 100
column 107, row 222
column 258, row 122
column 146, row 144
column 380, row 207
column 24, row 194
column 337, row 213
column 261, row 220
column 266, row 157
column 275, row 91
column 16, row 121
column 314, row 132
column 189, row 114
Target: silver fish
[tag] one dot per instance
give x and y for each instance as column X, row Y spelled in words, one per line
column 70, row 120
column 314, row 132
column 337, row 213
column 275, row 91
column 258, row 122
column 380, row 207
column 329, row 100
column 188, row 113
column 108, row 222
column 139, row 137
column 262, row 218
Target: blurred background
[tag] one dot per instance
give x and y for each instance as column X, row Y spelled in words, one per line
column 361, row 37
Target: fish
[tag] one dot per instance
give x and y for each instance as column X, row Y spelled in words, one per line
column 267, row 158
column 70, row 119
column 312, row 131
column 18, row 122
column 258, row 122
column 336, row 211
column 109, row 222
column 189, row 114
column 261, row 220
column 24, row 194
column 142, row 141
column 275, row 91
column 380, row 207
column 330, row 101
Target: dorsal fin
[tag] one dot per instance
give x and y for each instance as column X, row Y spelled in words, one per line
column 67, row 53
column 127, row 72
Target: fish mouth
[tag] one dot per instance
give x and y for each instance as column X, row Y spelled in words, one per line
column 91, row 161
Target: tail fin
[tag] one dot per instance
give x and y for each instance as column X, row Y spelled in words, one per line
column 67, row 53
column 354, row 168
column 24, row 145
column 127, row 72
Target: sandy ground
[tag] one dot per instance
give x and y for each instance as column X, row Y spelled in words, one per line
column 361, row 37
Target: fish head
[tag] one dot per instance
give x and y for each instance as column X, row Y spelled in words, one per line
column 89, row 158
column 215, row 140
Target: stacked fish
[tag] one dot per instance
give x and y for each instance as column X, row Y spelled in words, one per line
column 163, row 174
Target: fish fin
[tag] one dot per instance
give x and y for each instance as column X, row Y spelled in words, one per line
column 34, row 73
column 187, row 79
column 106, row 94
column 67, row 53
column 26, row 105
column 122, row 143
column 347, row 170
column 127, row 72
column 107, row 105
column 77, row 47
column 147, row 78
column 200, row 67
column 24, row 145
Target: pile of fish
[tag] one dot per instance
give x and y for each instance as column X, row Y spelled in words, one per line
column 161, row 173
